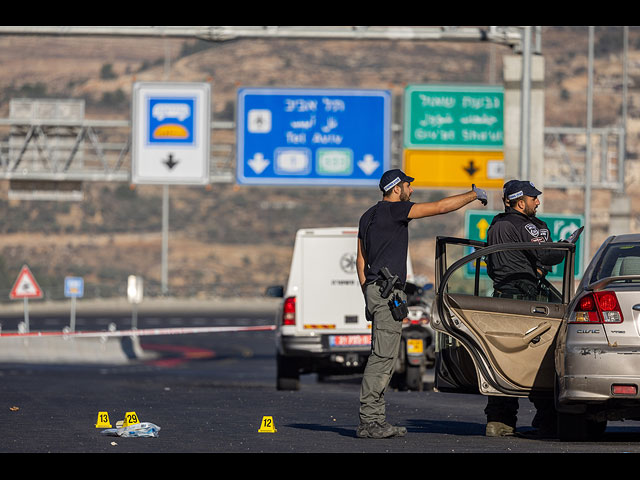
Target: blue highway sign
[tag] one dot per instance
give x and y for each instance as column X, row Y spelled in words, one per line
column 294, row 136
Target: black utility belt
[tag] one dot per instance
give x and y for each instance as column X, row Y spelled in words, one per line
column 397, row 305
column 382, row 283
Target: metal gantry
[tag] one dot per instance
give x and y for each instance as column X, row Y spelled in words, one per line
column 499, row 34
column 96, row 150
column 565, row 157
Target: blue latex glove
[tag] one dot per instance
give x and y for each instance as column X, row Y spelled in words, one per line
column 482, row 195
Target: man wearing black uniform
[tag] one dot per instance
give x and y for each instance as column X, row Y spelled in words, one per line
column 383, row 241
column 517, row 274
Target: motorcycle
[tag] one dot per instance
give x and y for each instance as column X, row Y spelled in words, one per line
column 417, row 346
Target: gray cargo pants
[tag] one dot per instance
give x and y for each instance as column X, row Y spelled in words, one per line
column 385, row 345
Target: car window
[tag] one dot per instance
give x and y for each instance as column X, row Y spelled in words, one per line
column 617, row 260
column 463, row 279
column 472, row 277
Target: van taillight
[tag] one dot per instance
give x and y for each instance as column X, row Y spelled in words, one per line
column 289, row 311
column 598, row 307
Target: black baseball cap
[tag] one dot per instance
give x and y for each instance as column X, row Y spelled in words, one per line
column 507, row 186
column 517, row 188
column 391, row 178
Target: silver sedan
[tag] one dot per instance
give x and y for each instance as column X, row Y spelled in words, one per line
column 598, row 349
column 579, row 346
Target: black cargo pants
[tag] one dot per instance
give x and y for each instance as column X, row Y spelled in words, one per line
column 385, row 345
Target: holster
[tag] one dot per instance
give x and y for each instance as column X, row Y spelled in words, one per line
column 399, row 309
column 390, row 281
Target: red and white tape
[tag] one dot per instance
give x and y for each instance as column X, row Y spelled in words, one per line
column 141, row 332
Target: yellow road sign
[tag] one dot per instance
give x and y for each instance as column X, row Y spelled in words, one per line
column 454, row 169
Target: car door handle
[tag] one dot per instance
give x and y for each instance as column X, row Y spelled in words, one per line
column 533, row 334
column 540, row 310
column 636, row 306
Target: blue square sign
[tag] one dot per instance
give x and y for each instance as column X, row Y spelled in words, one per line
column 171, row 121
column 73, row 287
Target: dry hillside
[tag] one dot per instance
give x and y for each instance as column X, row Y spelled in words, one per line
column 230, row 240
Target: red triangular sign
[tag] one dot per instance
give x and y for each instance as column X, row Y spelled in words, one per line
column 25, row 286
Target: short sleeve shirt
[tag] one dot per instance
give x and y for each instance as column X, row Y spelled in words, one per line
column 384, row 232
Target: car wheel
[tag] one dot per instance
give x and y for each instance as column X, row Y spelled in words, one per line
column 288, row 376
column 596, row 429
column 572, row 427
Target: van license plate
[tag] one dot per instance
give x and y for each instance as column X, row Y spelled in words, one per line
column 349, row 340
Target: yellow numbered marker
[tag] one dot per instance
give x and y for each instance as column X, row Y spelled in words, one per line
column 103, row 420
column 130, row 418
column 267, row 425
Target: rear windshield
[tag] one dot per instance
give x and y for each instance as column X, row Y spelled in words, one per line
column 617, row 260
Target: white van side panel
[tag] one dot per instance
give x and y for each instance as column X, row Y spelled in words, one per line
column 332, row 296
column 324, row 281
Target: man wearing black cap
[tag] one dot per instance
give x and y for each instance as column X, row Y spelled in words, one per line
column 516, row 274
column 383, row 241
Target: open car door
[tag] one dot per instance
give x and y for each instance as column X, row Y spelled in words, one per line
column 490, row 345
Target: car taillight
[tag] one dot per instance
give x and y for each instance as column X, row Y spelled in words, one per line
column 289, row 311
column 617, row 389
column 598, row 307
column 609, row 307
column 586, row 310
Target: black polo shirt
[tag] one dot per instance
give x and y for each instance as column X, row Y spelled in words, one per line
column 384, row 231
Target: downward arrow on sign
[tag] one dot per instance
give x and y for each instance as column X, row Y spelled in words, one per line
column 471, row 168
column 368, row 165
column 258, row 163
column 170, row 162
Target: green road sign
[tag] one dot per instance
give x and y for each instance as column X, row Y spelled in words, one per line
column 561, row 226
column 454, row 117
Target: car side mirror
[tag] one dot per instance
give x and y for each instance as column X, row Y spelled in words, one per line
column 275, row 291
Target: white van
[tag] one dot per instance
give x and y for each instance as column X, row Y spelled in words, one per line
column 321, row 325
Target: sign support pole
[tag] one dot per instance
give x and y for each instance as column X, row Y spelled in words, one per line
column 73, row 288
column 134, row 316
column 134, row 293
column 72, row 318
column 165, row 240
column 26, row 314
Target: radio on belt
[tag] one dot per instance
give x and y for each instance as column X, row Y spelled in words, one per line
column 398, row 306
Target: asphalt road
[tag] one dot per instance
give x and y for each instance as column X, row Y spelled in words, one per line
column 209, row 393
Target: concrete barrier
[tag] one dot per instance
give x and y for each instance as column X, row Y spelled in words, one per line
column 72, row 350
column 108, row 350
column 148, row 306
